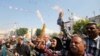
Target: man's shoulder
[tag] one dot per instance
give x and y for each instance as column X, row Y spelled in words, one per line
column 86, row 38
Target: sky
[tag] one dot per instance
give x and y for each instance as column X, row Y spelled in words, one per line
column 33, row 13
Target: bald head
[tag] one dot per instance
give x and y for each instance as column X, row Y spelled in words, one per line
column 46, row 37
column 79, row 38
column 77, row 44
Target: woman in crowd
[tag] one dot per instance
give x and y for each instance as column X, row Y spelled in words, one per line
column 56, row 46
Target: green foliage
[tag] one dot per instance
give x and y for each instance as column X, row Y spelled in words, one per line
column 38, row 32
column 98, row 25
column 21, row 31
column 79, row 26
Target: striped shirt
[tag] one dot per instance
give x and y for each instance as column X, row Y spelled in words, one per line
column 93, row 46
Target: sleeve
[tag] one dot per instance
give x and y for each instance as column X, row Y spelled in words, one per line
column 27, row 51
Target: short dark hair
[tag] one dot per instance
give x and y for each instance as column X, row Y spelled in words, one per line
column 91, row 23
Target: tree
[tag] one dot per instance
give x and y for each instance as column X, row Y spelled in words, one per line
column 41, row 32
column 98, row 25
column 54, row 35
column 21, row 31
column 38, row 32
column 79, row 26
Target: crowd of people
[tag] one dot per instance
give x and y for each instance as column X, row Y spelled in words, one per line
column 46, row 45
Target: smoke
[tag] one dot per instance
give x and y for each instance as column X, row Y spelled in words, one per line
column 57, row 8
column 39, row 15
column 76, row 18
column 19, row 9
column 10, row 7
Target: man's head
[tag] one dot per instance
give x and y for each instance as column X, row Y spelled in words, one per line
column 92, row 30
column 53, row 42
column 41, row 44
column 46, row 37
column 20, row 40
column 61, row 14
column 77, row 45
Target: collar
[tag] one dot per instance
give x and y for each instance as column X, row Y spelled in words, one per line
column 97, row 38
